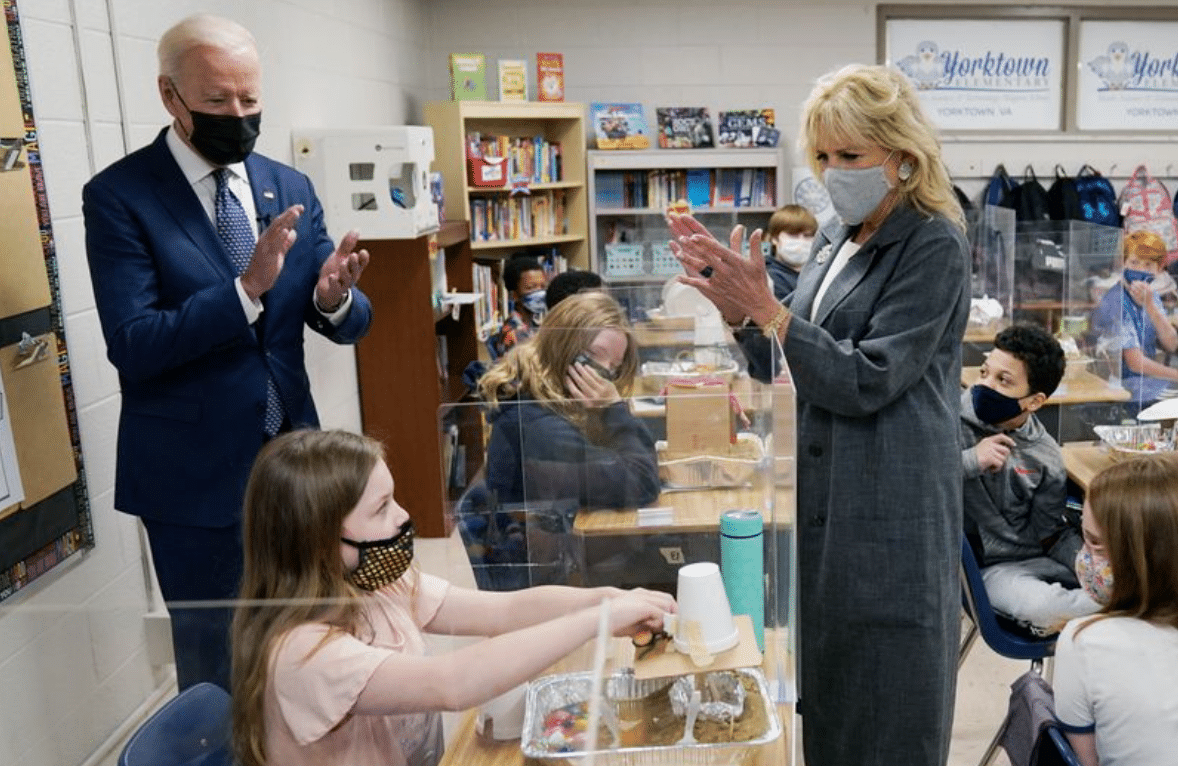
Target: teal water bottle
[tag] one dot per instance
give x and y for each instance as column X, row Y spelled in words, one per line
column 742, row 566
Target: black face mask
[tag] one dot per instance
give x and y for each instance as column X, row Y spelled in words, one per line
column 993, row 407
column 382, row 562
column 222, row 139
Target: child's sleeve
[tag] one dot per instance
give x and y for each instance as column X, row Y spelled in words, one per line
column 1072, row 705
column 316, row 692
column 431, row 592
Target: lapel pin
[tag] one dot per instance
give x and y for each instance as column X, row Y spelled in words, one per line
column 268, row 194
column 823, row 254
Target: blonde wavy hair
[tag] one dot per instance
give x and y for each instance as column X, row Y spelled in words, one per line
column 877, row 104
column 1145, row 245
column 537, row 368
column 302, row 485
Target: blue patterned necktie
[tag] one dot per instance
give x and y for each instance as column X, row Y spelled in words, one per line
column 237, row 234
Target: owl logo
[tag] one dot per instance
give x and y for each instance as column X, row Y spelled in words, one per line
column 924, row 67
column 1113, row 68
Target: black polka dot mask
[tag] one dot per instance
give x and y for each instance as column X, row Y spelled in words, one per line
column 382, row 562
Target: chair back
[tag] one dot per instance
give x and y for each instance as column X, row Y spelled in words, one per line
column 1054, row 749
column 1005, row 639
column 191, row 729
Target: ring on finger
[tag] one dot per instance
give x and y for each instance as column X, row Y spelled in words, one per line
column 706, row 272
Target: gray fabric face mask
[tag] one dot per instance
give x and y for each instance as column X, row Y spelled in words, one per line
column 856, row 193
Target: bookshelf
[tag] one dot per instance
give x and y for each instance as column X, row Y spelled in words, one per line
column 411, row 343
column 556, row 123
column 629, row 190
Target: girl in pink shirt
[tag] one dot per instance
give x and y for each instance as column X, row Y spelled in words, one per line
column 329, row 662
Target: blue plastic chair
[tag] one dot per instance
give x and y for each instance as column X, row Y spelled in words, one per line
column 191, row 729
column 1054, row 749
column 1002, row 635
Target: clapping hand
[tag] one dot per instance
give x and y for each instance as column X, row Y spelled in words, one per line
column 339, row 272
column 738, row 286
column 270, row 253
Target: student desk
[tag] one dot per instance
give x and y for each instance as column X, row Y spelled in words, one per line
column 1079, row 401
column 466, row 748
column 1084, row 460
column 694, row 510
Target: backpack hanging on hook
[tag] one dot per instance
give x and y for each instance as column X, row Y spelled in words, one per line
column 1029, row 199
column 1063, row 198
column 1098, row 200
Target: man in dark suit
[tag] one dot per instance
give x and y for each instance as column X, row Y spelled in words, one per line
column 207, row 261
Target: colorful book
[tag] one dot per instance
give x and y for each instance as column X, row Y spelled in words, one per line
column 619, row 126
column 699, row 187
column 750, row 127
column 684, row 127
column 513, row 80
column 549, row 77
column 468, row 77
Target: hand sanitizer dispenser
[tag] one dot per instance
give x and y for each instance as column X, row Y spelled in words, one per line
column 375, row 179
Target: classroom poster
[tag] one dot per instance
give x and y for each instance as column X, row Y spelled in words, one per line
column 1000, row 74
column 1128, row 75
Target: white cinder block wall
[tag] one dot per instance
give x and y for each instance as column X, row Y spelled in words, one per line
column 73, row 662
column 73, row 655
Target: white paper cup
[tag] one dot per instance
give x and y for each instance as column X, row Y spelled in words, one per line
column 704, row 618
column 503, row 717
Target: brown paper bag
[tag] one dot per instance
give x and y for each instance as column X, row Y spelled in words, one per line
column 699, row 418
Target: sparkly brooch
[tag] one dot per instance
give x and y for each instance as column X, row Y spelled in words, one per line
column 822, row 254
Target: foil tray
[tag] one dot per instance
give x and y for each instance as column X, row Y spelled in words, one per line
column 554, row 692
column 710, row 471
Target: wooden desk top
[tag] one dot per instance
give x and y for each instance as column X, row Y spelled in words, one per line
column 1084, row 460
column 1083, row 388
column 696, row 510
column 466, row 748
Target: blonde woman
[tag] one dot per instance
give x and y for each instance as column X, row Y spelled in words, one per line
column 1114, row 673
column 561, row 431
column 329, row 662
column 872, row 338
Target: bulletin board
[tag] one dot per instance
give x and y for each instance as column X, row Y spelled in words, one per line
column 44, row 507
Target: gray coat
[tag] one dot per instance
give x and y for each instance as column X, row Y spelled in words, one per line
column 879, row 493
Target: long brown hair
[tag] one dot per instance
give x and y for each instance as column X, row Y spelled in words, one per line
column 302, row 486
column 1135, row 505
column 536, row 369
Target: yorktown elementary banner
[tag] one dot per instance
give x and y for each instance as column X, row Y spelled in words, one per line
column 1003, row 74
column 1128, row 76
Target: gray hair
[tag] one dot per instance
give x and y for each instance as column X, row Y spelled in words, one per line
column 199, row 30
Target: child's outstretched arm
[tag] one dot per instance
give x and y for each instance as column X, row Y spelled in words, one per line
column 479, row 672
column 468, row 612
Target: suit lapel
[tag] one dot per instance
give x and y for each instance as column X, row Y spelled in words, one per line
column 899, row 222
column 176, row 195
column 264, row 186
column 830, row 239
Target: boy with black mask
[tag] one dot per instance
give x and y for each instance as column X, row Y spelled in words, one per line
column 1015, row 484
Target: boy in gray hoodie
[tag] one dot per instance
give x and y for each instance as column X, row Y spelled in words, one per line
column 1015, row 484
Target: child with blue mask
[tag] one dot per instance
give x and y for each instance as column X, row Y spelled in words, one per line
column 1132, row 320
column 1015, row 484
column 526, row 284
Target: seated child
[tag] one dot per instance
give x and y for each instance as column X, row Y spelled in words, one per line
column 329, row 662
column 1115, row 695
column 791, row 231
column 1015, row 484
column 571, row 282
column 526, row 284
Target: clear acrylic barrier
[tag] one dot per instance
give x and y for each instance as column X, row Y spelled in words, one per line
column 625, row 495
column 992, row 283
column 1063, row 271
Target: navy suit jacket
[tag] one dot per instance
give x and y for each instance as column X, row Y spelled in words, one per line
column 193, row 372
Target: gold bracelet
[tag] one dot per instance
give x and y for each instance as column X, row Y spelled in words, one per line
column 776, row 322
